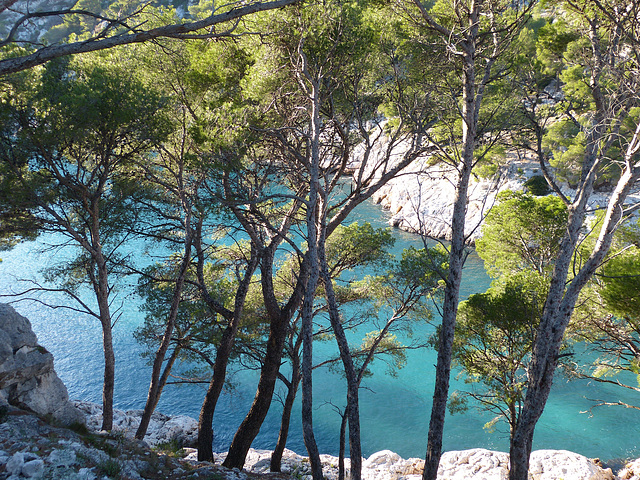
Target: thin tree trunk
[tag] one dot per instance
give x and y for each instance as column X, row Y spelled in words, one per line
column 353, row 384
column 155, row 388
column 342, row 447
column 109, row 376
column 314, row 222
column 102, row 292
column 276, row 455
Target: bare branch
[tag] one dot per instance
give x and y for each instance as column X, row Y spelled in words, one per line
column 43, row 55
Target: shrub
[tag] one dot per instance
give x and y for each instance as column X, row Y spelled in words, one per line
column 537, row 185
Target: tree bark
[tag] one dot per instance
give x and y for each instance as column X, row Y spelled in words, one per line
column 353, row 384
column 276, row 456
column 470, row 110
column 251, row 424
column 102, row 293
column 155, row 387
column 560, row 304
column 223, row 353
column 181, row 30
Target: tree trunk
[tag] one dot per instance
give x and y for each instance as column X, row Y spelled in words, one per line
column 223, row 353
column 342, row 447
column 353, row 384
column 251, row 424
column 102, row 292
column 276, row 456
column 314, row 222
column 109, row 376
column 558, row 309
column 470, row 106
column 155, row 388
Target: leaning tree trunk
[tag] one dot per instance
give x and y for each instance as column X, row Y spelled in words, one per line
column 251, row 424
column 223, row 353
column 561, row 302
column 353, row 383
column 155, row 388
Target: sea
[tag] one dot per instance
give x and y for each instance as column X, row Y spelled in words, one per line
column 394, row 409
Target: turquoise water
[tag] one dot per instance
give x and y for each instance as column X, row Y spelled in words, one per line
column 395, row 410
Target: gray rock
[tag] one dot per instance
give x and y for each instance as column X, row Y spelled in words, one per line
column 33, row 469
column 162, row 428
column 27, row 377
column 62, row 458
column 15, row 463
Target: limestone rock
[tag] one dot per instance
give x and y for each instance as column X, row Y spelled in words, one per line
column 27, row 377
column 554, row 464
column 631, row 471
column 162, row 428
column 477, row 464
column 481, row 464
column 420, row 199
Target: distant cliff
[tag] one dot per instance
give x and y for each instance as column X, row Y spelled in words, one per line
column 421, row 197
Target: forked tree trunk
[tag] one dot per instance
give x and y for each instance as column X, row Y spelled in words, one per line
column 562, row 299
column 223, row 353
column 251, row 424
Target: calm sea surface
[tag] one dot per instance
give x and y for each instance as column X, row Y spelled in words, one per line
column 395, row 410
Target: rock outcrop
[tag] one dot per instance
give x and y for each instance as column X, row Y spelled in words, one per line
column 475, row 464
column 163, row 429
column 27, row 377
column 631, row 471
column 421, row 197
column 484, row 464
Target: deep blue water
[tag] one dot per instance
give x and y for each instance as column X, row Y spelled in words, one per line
column 394, row 410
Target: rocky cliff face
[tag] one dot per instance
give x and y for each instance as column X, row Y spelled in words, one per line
column 421, row 197
column 27, row 377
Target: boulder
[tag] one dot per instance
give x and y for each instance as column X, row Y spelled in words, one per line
column 477, row 464
column 481, row 464
column 27, row 377
column 554, row 464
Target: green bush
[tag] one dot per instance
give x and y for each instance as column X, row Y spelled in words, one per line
column 537, row 185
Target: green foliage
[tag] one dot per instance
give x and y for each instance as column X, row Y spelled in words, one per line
column 522, row 232
column 358, row 245
column 621, row 284
column 111, row 468
column 565, row 143
column 537, row 185
column 171, row 448
column 495, row 332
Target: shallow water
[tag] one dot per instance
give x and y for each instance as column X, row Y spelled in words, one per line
column 394, row 410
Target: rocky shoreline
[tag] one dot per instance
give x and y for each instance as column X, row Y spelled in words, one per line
column 420, row 198
column 35, row 449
